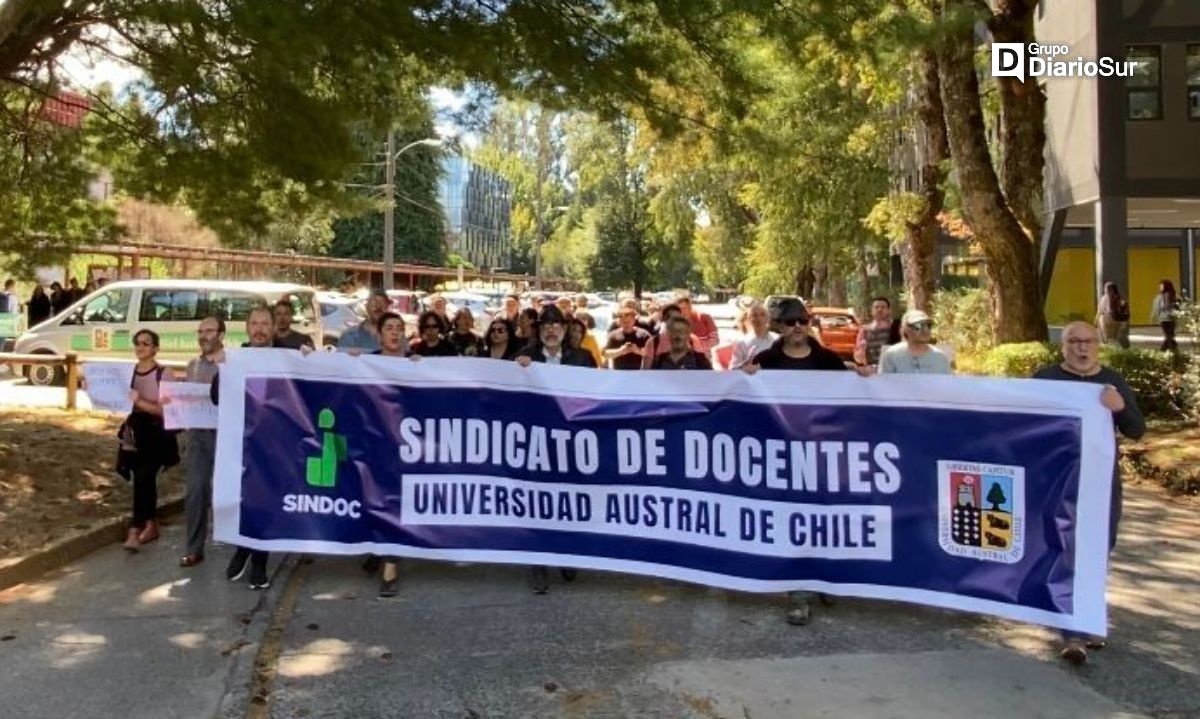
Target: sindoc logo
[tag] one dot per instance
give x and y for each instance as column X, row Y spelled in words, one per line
column 1014, row 59
column 322, row 471
column 981, row 511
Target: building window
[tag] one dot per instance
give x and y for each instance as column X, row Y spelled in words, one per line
column 1193, row 81
column 1143, row 89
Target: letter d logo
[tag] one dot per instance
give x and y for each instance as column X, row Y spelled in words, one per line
column 1008, row 60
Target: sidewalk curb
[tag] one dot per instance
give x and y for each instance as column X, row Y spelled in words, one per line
column 79, row 545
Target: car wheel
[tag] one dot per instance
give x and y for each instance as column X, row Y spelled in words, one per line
column 43, row 375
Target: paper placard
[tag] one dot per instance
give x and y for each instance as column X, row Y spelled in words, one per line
column 108, row 385
column 189, row 407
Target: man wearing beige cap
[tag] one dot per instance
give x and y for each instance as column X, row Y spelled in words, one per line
column 916, row 354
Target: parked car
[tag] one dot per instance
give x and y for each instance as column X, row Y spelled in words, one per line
column 103, row 323
column 837, row 329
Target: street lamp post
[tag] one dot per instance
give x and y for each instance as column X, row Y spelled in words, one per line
column 389, row 196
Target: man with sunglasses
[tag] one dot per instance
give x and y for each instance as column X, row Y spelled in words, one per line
column 627, row 343
column 1081, row 363
column 430, row 342
column 916, row 354
column 795, row 349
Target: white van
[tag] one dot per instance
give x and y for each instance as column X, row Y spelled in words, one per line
column 103, row 323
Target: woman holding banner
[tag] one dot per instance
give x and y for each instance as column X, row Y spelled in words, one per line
column 146, row 446
column 392, row 343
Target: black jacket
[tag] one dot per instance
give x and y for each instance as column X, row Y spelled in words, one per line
column 570, row 356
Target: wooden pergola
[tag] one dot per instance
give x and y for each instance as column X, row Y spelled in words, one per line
column 131, row 261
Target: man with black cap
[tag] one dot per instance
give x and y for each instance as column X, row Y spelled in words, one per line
column 548, row 345
column 796, row 348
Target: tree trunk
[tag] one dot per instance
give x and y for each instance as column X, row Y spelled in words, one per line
column 820, row 290
column 1022, row 122
column 1011, row 255
column 806, row 280
column 837, row 289
column 920, row 247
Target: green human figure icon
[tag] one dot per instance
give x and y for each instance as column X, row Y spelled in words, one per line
column 322, row 471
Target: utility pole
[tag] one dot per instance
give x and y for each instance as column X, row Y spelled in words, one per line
column 389, row 214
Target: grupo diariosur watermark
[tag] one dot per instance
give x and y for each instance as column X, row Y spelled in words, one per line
column 1021, row 60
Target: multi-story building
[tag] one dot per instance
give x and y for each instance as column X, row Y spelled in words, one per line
column 477, row 203
column 1122, row 154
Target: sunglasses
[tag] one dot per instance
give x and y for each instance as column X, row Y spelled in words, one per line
column 921, row 326
column 792, row 322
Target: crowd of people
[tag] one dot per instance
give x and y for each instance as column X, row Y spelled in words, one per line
column 678, row 337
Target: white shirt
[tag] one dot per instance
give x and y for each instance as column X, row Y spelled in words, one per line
column 749, row 345
column 552, row 359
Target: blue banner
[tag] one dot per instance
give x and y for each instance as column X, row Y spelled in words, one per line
column 982, row 495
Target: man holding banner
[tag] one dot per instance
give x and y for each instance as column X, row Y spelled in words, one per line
column 1081, row 363
column 201, row 443
column 795, row 349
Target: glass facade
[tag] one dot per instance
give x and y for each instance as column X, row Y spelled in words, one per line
column 477, row 203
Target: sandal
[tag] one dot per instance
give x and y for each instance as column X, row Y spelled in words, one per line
column 191, row 560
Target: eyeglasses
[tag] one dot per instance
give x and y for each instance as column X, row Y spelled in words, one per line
column 793, row 321
column 921, row 326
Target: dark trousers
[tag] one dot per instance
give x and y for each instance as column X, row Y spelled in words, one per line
column 145, row 496
column 1168, row 343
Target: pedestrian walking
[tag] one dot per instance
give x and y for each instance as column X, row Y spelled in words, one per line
column 392, row 343
column 759, row 337
column 796, row 349
column 916, row 354
column 365, row 337
column 874, row 336
column 680, row 354
column 1162, row 313
column 1112, row 316
column 39, row 306
column 1081, row 363
column 201, row 443
column 147, row 448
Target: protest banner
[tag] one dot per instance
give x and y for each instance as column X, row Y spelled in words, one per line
column 968, row 493
column 108, row 385
column 188, row 405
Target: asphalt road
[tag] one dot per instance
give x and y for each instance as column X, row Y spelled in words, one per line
column 137, row 636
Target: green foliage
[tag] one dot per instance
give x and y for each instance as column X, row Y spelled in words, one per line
column 1187, row 319
column 1020, row 359
column 44, row 205
column 1156, row 378
column 963, row 320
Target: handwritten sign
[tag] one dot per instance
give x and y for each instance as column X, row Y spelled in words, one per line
column 188, row 405
column 108, row 385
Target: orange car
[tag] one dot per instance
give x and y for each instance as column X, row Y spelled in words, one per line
column 837, row 329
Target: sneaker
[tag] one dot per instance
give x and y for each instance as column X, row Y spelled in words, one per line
column 237, row 565
column 799, row 615
column 539, row 580
column 1074, row 653
column 258, row 576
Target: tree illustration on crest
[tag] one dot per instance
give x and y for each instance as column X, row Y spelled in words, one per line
column 995, row 496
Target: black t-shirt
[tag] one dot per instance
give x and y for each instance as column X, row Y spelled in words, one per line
column 292, row 340
column 443, row 349
column 819, row 358
column 617, row 339
column 691, row 360
column 468, row 345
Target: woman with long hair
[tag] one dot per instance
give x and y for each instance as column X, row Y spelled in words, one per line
column 501, row 340
column 1162, row 313
column 526, row 322
column 462, row 335
column 1112, row 316
column 147, row 447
